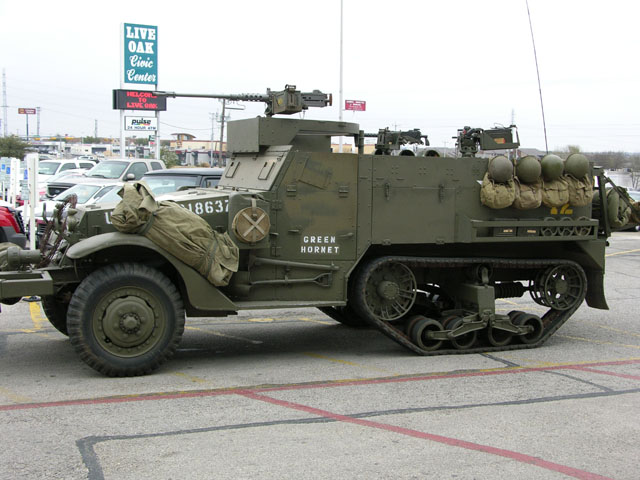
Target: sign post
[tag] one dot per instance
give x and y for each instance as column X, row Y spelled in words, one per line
column 32, row 169
column 27, row 112
column 139, row 64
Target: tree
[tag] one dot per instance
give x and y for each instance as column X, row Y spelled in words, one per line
column 169, row 158
column 573, row 148
column 13, row 147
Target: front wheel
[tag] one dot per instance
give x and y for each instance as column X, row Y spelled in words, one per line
column 56, row 312
column 125, row 319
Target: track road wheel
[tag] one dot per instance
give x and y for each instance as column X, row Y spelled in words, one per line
column 461, row 342
column 419, row 334
column 384, row 290
column 125, row 319
column 533, row 321
column 497, row 337
column 56, row 313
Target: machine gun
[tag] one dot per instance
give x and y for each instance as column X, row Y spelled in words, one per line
column 284, row 102
column 389, row 140
column 501, row 138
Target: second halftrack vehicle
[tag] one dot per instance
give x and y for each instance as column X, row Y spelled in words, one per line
column 408, row 244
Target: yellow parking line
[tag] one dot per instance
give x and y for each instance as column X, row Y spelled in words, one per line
column 533, row 363
column 527, row 305
column 599, row 342
column 351, row 364
column 191, row 378
column 38, row 319
column 311, row 320
column 606, row 327
column 14, row 397
column 622, row 253
column 225, row 335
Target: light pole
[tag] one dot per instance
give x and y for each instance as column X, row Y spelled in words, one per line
column 340, row 89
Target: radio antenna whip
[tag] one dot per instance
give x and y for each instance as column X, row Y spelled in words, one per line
column 535, row 56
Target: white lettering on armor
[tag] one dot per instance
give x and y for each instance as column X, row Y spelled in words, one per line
column 319, row 245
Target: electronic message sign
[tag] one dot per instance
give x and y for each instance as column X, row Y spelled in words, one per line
column 138, row 100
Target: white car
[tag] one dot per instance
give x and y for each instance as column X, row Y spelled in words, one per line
column 49, row 168
column 88, row 193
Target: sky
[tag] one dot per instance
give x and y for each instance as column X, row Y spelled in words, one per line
column 435, row 65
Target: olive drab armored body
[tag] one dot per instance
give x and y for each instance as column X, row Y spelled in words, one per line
column 418, row 245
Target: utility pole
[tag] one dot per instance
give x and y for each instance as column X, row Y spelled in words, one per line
column 212, row 116
column 38, row 122
column 224, row 104
column 341, row 101
column 95, row 129
column 4, row 102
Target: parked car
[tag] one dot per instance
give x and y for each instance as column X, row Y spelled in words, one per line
column 115, row 170
column 88, row 192
column 174, row 179
column 49, row 168
column 11, row 225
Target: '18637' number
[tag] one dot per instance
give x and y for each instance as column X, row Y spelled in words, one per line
column 210, row 206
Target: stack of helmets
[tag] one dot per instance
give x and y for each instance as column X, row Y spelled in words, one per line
column 498, row 187
column 500, row 169
column 576, row 165
column 580, row 184
column 555, row 189
column 528, row 183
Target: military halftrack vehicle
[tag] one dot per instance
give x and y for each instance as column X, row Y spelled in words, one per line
column 412, row 245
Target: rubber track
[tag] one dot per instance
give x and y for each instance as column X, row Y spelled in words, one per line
column 552, row 320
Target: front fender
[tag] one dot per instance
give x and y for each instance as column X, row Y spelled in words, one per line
column 201, row 294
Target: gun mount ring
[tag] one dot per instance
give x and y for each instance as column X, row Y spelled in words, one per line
column 251, row 224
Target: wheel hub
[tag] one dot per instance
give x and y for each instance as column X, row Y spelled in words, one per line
column 561, row 286
column 388, row 290
column 128, row 321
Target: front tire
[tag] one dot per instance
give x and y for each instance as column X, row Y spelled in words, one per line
column 125, row 319
column 56, row 313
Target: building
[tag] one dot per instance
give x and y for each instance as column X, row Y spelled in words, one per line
column 197, row 152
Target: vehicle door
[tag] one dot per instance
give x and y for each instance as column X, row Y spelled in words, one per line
column 138, row 169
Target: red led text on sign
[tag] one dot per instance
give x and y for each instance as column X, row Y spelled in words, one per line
column 141, row 101
column 138, row 100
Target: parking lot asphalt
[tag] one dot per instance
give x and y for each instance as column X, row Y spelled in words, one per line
column 291, row 394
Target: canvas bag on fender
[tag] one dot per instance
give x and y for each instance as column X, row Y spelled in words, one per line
column 528, row 196
column 178, row 230
column 580, row 190
column 555, row 193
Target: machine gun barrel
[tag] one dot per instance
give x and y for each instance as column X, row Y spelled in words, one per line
column 286, row 101
column 240, row 97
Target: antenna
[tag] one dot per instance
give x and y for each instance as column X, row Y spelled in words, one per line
column 535, row 56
